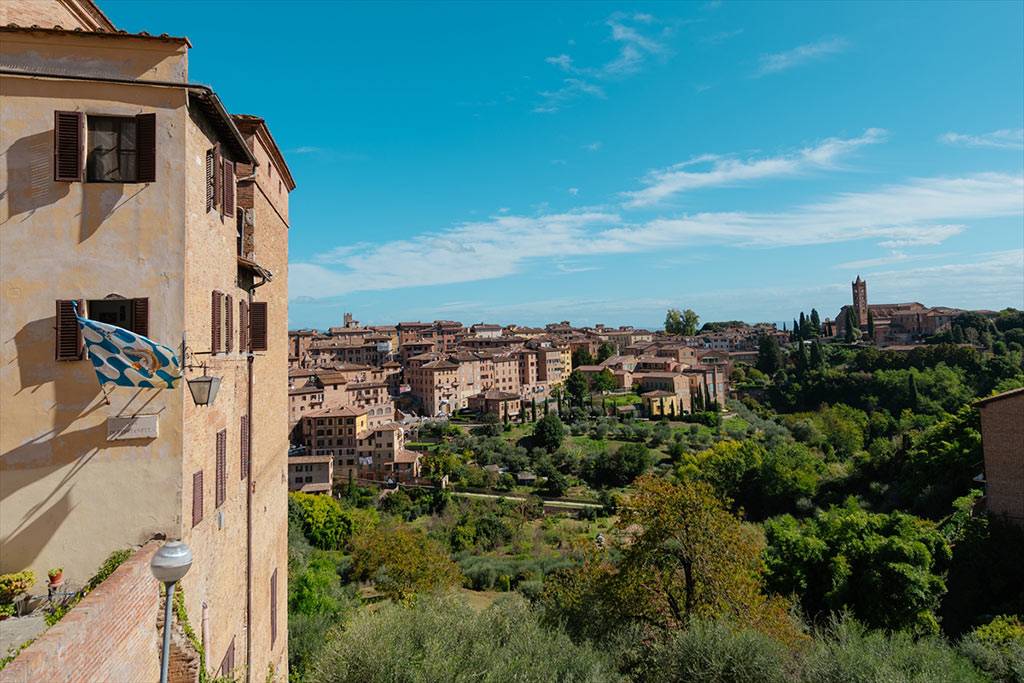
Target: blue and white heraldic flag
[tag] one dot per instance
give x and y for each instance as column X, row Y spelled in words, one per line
column 126, row 359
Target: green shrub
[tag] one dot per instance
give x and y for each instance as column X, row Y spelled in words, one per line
column 13, row 585
column 716, row 652
column 997, row 648
column 440, row 638
column 846, row 651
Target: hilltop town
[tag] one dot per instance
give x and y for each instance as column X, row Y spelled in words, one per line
column 190, row 492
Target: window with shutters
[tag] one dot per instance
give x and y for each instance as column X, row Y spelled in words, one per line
column 243, row 326
column 211, row 185
column 258, row 326
column 68, row 342
column 120, row 149
column 222, row 466
column 131, row 314
column 227, row 206
column 68, row 145
column 244, row 446
column 229, row 323
column 273, row 608
column 216, row 321
column 197, row 497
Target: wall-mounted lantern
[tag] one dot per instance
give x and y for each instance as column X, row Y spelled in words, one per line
column 204, row 389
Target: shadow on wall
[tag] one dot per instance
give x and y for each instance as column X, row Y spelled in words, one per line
column 30, row 176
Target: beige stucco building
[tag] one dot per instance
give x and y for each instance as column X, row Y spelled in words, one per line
column 135, row 193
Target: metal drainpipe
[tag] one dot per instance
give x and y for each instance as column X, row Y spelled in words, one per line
column 250, row 487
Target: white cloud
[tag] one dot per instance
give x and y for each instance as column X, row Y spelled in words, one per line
column 721, row 37
column 781, row 61
column 998, row 139
column 988, row 280
column 574, row 191
column 893, row 257
column 634, row 49
column 572, row 88
column 922, row 236
column 593, row 146
column 921, row 211
column 664, row 183
column 305, row 149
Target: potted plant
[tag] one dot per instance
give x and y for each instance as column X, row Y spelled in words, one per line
column 6, row 610
column 55, row 575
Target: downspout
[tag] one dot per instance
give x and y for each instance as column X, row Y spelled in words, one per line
column 249, row 489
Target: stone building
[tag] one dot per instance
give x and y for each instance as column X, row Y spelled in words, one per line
column 1002, row 438
column 900, row 323
column 311, row 473
column 134, row 192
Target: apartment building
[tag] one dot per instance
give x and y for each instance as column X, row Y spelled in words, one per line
column 311, row 473
column 359, row 450
column 134, row 193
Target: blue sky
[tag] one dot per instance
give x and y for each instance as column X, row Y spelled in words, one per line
column 600, row 162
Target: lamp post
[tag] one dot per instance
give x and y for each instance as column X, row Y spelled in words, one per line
column 169, row 565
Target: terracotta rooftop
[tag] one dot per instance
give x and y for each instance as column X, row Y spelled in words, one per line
column 58, row 30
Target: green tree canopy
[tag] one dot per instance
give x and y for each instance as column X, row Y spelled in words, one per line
column 549, row 432
column 886, row 569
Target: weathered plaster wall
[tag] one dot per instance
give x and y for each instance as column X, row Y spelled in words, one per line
column 68, row 496
column 107, row 56
column 270, row 431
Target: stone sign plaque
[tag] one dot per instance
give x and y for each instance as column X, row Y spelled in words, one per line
column 137, row 427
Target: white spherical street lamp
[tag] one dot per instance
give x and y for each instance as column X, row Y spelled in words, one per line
column 169, row 566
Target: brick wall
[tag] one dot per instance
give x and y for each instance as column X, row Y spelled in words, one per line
column 110, row 635
column 1002, row 433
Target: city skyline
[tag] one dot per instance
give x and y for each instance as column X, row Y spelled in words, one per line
column 743, row 160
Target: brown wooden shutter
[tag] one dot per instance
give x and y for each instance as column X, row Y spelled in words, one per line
column 68, row 141
column 197, row 497
column 273, row 608
column 258, row 326
column 68, row 339
column 211, row 186
column 227, row 665
column 244, row 446
column 218, row 174
column 229, row 188
column 229, row 323
column 243, row 326
column 140, row 316
column 216, row 310
column 145, row 143
column 222, row 466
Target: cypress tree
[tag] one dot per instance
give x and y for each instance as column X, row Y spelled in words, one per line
column 533, row 408
column 871, row 325
column 848, row 336
column 817, row 361
column 803, row 325
column 913, row 398
column 545, row 406
column 815, row 321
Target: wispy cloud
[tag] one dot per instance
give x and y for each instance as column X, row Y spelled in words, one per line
column 893, row 257
column 721, row 36
column 306, row 149
column 635, row 46
column 988, row 279
column 572, row 88
column 664, row 183
column 593, row 146
column 781, row 61
column 920, row 210
column 1008, row 138
column 574, row 191
column 923, row 236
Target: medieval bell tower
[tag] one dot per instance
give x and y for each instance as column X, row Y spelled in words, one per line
column 860, row 301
